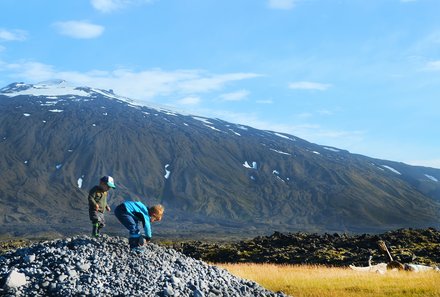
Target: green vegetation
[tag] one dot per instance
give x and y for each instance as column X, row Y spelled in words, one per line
column 420, row 246
column 12, row 244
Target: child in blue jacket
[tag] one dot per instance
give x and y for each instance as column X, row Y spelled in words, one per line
column 131, row 213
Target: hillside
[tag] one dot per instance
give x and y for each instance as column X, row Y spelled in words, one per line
column 213, row 177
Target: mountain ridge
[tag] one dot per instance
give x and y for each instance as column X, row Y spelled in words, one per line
column 211, row 175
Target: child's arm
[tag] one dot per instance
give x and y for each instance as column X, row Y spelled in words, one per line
column 147, row 229
column 91, row 199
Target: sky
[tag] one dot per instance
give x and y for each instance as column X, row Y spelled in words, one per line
column 359, row 75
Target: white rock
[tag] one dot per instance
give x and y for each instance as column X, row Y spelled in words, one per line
column 15, row 279
column 30, row 258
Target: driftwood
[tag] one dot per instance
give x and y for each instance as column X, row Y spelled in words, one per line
column 392, row 264
column 383, row 247
column 382, row 268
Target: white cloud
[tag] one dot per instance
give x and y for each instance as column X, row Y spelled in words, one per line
column 79, row 29
column 304, row 115
column 282, row 4
column 27, row 70
column 435, row 163
column 190, row 100
column 12, row 35
column 113, row 5
column 205, row 83
column 267, row 101
column 309, row 131
column 308, row 115
column 142, row 85
column 336, row 134
column 235, row 96
column 433, row 65
column 325, row 112
column 307, row 85
column 105, row 5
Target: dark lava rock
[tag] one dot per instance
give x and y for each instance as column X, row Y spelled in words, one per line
column 419, row 246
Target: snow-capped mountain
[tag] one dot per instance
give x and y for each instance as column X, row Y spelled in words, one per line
column 215, row 177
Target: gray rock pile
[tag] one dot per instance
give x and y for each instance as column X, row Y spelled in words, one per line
column 84, row 266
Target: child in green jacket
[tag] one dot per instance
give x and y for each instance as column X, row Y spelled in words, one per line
column 98, row 203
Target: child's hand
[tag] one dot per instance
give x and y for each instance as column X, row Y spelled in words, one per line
column 108, row 208
column 96, row 207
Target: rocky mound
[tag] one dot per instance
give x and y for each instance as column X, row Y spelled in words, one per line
column 83, row 266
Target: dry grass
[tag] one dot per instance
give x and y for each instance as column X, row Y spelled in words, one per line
column 314, row 281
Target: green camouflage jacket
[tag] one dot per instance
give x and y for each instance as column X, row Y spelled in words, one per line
column 97, row 197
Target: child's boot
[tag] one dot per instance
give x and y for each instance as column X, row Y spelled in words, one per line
column 100, row 226
column 132, row 241
column 95, row 229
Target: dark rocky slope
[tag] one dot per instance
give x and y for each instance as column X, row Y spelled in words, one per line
column 49, row 143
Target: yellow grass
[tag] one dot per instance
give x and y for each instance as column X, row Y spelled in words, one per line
column 314, row 281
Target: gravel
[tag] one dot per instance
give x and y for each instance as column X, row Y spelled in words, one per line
column 85, row 266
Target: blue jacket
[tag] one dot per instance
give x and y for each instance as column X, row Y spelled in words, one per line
column 139, row 212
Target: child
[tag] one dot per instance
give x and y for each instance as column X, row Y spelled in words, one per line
column 130, row 213
column 98, row 203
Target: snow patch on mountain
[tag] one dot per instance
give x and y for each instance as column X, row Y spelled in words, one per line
column 80, row 182
column 391, row 169
column 254, row 165
column 277, row 175
column 431, row 177
column 49, row 103
column 331, row 149
column 167, row 172
column 51, row 89
column 54, row 89
column 282, row 135
column 204, row 120
column 280, row 152
column 238, row 134
column 213, row 128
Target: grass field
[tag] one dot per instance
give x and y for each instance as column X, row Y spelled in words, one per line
column 314, row 281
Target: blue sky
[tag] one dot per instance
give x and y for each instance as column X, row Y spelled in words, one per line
column 361, row 75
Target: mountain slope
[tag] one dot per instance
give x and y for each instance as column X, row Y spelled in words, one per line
column 211, row 175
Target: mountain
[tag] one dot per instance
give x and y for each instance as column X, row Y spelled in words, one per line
column 214, row 178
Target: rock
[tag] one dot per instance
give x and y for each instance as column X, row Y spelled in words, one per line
column 15, row 279
column 72, row 273
column 168, row 292
column 106, row 267
column 198, row 293
column 62, row 277
column 84, row 267
column 29, row 258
